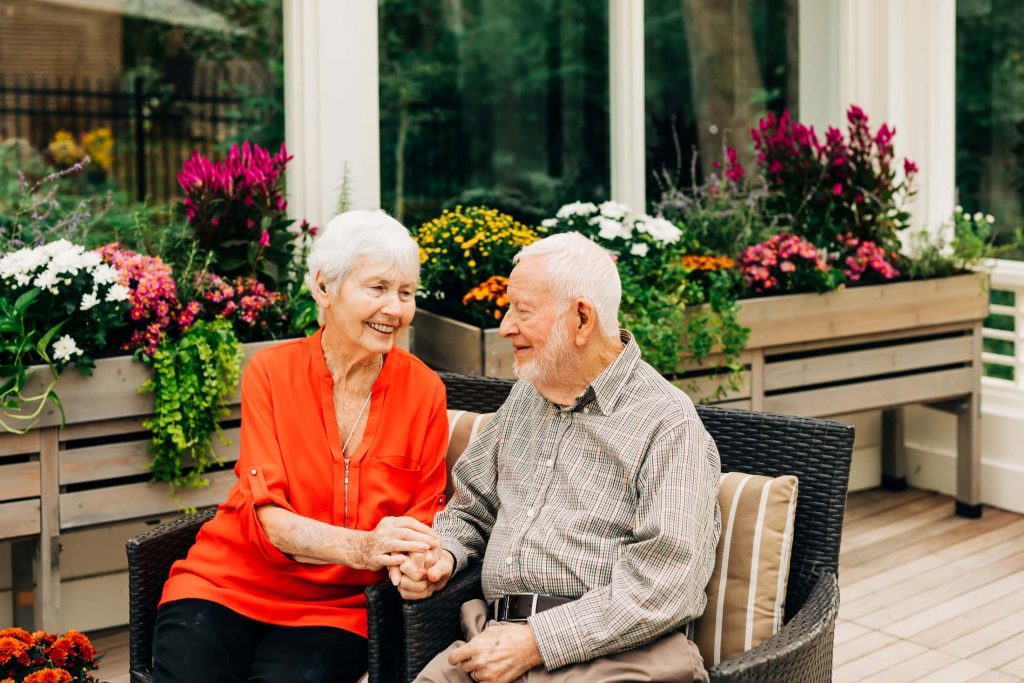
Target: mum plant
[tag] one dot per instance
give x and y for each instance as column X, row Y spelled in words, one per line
column 236, row 210
column 42, row 657
column 60, row 304
column 460, row 252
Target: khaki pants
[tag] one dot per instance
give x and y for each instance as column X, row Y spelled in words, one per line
column 671, row 659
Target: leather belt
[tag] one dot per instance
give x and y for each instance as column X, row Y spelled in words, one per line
column 522, row 606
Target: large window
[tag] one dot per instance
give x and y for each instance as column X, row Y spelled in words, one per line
column 712, row 68
column 493, row 102
column 139, row 85
column 990, row 109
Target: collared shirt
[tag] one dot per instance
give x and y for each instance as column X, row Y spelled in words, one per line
column 612, row 501
column 291, row 456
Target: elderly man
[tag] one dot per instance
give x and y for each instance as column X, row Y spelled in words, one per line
column 591, row 497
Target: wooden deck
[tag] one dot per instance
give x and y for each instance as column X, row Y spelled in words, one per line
column 926, row 596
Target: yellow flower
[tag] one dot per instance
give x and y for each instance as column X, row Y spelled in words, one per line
column 472, row 264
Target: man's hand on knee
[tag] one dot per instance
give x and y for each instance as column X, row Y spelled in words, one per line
column 501, row 653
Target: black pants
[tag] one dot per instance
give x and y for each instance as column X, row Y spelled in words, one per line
column 198, row 641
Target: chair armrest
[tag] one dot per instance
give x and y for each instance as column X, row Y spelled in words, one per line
column 433, row 624
column 385, row 634
column 800, row 651
column 150, row 556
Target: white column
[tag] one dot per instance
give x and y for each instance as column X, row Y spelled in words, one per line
column 895, row 59
column 626, row 88
column 331, row 105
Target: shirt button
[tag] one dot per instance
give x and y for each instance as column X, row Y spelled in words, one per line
column 508, row 560
column 253, row 471
column 529, row 513
column 550, row 462
column 586, row 410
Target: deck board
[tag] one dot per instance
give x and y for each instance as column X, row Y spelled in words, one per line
column 926, row 596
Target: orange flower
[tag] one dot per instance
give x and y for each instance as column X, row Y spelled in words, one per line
column 12, row 648
column 19, row 634
column 7, row 680
column 49, row 676
column 710, row 263
column 492, row 289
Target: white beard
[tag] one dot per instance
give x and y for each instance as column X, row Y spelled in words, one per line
column 556, row 361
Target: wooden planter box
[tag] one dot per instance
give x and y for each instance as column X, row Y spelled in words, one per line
column 817, row 355
column 93, row 470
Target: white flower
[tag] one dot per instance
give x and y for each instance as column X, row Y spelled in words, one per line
column 549, row 222
column 118, row 293
column 576, row 209
column 614, row 210
column 609, row 229
column 990, row 219
column 89, row 300
column 46, row 280
column 958, row 209
column 979, row 217
column 660, row 229
column 104, row 274
column 65, row 347
column 639, row 249
column 713, row 129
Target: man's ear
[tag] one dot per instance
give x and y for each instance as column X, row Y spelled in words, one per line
column 586, row 320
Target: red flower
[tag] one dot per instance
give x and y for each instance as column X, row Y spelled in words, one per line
column 49, row 676
column 837, row 189
column 12, row 648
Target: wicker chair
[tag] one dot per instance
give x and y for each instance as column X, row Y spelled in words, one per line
column 404, row 636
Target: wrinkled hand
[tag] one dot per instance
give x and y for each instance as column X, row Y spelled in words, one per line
column 394, row 537
column 422, row 574
column 500, row 653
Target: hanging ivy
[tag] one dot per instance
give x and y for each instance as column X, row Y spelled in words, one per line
column 194, row 378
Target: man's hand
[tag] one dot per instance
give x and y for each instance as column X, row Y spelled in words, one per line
column 421, row 574
column 392, row 540
column 501, row 653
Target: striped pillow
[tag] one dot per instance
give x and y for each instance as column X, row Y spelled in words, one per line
column 747, row 591
column 462, row 429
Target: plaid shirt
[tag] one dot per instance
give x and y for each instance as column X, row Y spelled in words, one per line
column 613, row 500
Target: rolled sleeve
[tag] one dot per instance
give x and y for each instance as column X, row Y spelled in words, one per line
column 659, row 582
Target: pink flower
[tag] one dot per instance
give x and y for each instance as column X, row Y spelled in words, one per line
column 837, row 189
column 265, row 239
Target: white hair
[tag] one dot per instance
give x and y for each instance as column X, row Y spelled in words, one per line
column 578, row 267
column 356, row 235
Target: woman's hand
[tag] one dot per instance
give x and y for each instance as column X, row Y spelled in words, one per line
column 394, row 537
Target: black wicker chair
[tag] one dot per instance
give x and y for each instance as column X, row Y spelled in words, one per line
column 404, row 636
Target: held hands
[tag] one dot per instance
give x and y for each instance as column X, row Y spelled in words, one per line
column 393, row 540
column 421, row 574
column 501, row 653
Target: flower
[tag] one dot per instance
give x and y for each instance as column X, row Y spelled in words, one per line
column 89, row 300
column 612, row 209
column 265, row 239
column 66, row 347
column 118, row 293
column 49, row 676
column 782, row 262
column 639, row 249
column 576, row 209
column 837, row 189
column 12, row 648
column 492, row 292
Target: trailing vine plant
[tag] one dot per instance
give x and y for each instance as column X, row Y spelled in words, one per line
column 194, row 378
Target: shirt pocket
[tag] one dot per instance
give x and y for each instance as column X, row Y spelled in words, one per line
column 389, row 484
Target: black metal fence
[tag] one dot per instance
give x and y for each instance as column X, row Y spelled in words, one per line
column 154, row 126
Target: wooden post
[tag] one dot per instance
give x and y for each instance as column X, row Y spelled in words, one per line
column 47, row 604
column 968, row 442
column 894, row 474
column 757, row 380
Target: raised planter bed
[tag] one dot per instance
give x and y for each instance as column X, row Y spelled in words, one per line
column 817, row 355
column 92, row 470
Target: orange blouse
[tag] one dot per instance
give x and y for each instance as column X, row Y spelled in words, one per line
column 291, row 457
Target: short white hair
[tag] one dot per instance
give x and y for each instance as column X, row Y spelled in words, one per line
column 578, row 267
column 356, row 235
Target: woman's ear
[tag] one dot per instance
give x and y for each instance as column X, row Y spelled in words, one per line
column 320, row 294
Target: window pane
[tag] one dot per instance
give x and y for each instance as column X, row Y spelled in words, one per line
column 990, row 109
column 493, row 102
column 712, row 68
column 139, row 85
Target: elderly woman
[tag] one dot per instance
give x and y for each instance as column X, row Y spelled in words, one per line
column 341, row 469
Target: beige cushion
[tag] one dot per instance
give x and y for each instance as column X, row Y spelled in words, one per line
column 462, row 429
column 747, row 591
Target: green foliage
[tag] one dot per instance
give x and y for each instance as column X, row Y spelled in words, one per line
column 193, row 380
column 973, row 241
column 19, row 344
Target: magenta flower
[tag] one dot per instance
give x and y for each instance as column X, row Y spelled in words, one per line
column 265, row 239
column 837, row 189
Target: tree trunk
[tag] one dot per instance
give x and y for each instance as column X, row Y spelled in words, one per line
column 724, row 75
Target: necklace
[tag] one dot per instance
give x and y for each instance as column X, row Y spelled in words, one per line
column 366, row 402
column 362, row 409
